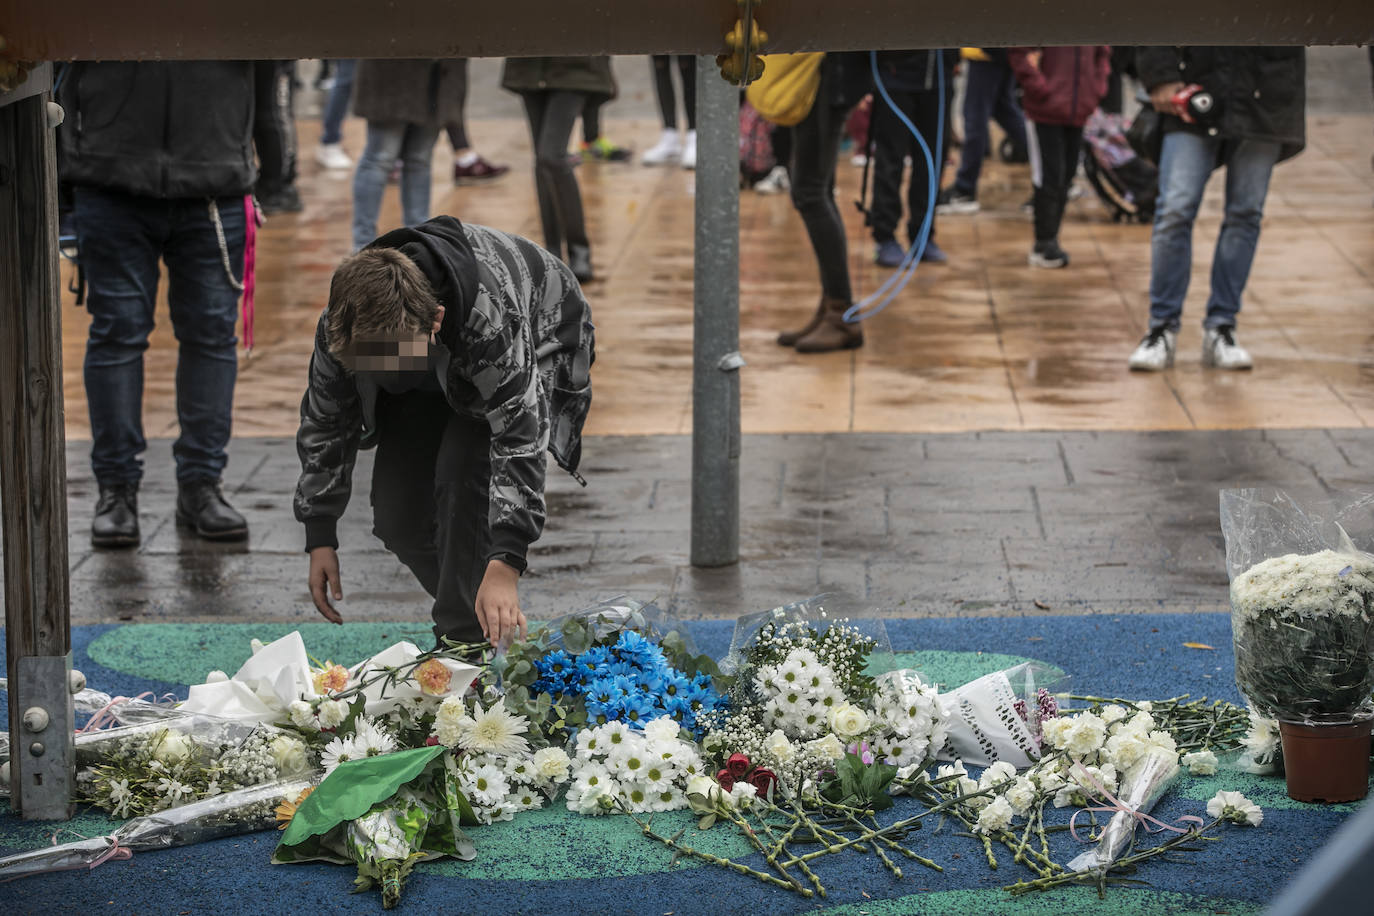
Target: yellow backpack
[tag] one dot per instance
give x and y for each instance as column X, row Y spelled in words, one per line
column 787, row 90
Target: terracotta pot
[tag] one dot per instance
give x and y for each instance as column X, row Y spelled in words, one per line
column 1326, row 763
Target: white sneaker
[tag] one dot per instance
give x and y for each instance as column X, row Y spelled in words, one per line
column 689, row 151
column 332, row 156
column 1220, row 350
column 775, row 182
column 1155, row 351
column 667, row 149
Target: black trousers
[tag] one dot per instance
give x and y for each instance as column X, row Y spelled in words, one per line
column 552, row 114
column 458, row 130
column 274, row 125
column 1054, row 151
column 892, row 142
column 430, row 494
column 815, row 147
column 663, row 88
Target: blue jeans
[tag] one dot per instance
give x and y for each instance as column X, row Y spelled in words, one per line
column 1187, row 161
column 388, row 141
column 121, row 238
column 989, row 94
column 336, row 108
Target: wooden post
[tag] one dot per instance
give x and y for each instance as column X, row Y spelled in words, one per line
column 33, row 475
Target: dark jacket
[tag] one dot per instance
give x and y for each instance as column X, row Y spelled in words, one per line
column 846, row 77
column 1261, row 93
column 1067, row 86
column 591, row 75
column 410, row 91
column 516, row 349
column 159, row 129
column 914, row 71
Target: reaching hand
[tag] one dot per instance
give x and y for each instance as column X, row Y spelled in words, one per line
column 498, row 605
column 324, row 580
column 1162, row 97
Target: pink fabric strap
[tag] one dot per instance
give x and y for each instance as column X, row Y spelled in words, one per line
column 252, row 219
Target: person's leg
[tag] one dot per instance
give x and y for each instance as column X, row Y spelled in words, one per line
column 815, row 147
column 417, row 154
column 1007, row 112
column 384, row 139
column 410, row 428
column 591, row 119
column 462, row 497
column 1186, row 162
column 551, row 162
column 925, row 114
column 889, row 140
column 203, row 299
column 663, row 89
column 458, row 129
column 979, row 100
column 687, row 70
column 336, row 108
column 120, row 239
column 1247, row 185
column 536, row 107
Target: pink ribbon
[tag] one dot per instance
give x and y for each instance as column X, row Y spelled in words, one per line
column 1115, row 805
column 252, row 219
column 106, row 713
column 116, row 853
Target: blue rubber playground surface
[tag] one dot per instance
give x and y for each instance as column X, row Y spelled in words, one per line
column 553, row 861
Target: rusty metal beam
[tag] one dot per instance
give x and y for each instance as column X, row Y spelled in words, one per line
column 171, row 29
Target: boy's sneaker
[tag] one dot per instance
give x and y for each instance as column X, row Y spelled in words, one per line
column 477, row 170
column 689, row 150
column 775, row 182
column 667, row 149
column 952, row 201
column 934, row 254
column 332, row 156
column 1220, row 350
column 605, row 151
column 1048, row 255
column 889, row 254
column 1155, row 352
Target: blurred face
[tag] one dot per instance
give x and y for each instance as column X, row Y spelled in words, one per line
column 396, row 361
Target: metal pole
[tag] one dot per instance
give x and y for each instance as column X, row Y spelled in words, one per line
column 33, row 470
column 715, row 349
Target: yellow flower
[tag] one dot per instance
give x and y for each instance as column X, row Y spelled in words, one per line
column 330, row 678
column 433, row 677
column 287, row 809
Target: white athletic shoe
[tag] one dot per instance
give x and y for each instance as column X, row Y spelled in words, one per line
column 667, row 149
column 1220, row 350
column 775, row 182
column 1155, row 351
column 689, row 150
column 332, row 156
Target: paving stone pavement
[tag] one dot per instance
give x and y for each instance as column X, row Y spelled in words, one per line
column 986, row 524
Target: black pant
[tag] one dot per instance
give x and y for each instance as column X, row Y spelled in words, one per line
column 458, row 130
column 552, row 114
column 663, row 86
column 1054, row 153
column 815, row 147
column 892, row 142
column 430, row 496
column 591, row 118
column 274, row 125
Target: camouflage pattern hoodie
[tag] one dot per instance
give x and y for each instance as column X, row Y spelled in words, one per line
column 516, row 350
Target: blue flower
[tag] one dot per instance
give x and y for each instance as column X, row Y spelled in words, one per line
column 594, row 659
column 601, row 691
column 652, row 680
column 638, row 709
column 597, row 714
column 632, row 646
column 554, row 665
column 625, row 685
column 676, row 685
column 620, row 668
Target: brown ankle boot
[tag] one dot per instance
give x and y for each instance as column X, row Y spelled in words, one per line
column 833, row 332
column 790, row 338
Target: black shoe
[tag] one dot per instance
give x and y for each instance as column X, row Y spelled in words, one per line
column 287, row 200
column 202, row 508
column 116, row 516
column 580, row 260
column 1048, row 255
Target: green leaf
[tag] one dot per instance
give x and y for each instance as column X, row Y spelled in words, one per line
column 707, row 822
column 577, row 636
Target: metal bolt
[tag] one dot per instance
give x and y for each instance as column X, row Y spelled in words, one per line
column 76, row 681
column 35, row 719
column 55, row 115
column 37, row 749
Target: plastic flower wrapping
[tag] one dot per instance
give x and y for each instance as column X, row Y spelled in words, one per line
column 1141, row 787
column 1302, row 606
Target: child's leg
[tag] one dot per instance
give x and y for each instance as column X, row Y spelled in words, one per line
column 461, row 497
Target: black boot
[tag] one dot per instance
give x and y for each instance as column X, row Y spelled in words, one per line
column 116, row 516
column 202, row 508
column 580, row 260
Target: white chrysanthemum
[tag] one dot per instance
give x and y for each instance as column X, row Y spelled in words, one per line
column 848, row 721
column 995, row 775
column 1201, row 763
column 336, row 752
column 552, row 763
column 1021, row 795
column 332, row 713
column 613, row 734
column 996, row 816
column 1235, row 808
column 371, row 740
column 589, row 744
column 494, row 730
column 670, row 800
column 302, row 716
column 658, row 776
column 628, row 761
column 664, row 728
column 520, row 770
column 488, row 786
column 447, row 721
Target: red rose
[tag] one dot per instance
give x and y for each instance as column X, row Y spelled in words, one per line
column 727, row 782
column 738, row 765
column 763, row 781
